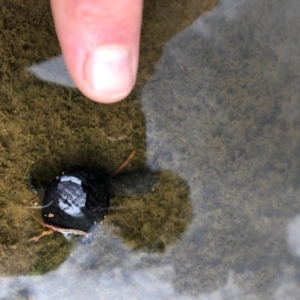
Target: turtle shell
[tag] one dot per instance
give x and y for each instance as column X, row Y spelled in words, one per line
column 77, row 199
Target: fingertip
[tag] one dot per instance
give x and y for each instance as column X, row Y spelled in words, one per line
column 100, row 45
column 108, row 73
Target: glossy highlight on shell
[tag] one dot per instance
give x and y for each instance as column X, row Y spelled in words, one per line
column 77, row 199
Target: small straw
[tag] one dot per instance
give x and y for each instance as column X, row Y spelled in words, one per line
column 124, row 163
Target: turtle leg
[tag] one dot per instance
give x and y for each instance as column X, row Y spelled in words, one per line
column 53, row 228
column 36, row 238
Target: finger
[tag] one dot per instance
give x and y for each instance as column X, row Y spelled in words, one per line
column 100, row 44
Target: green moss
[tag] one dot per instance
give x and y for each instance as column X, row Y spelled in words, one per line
column 155, row 220
column 44, row 127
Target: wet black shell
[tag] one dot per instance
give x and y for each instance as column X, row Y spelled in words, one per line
column 77, row 199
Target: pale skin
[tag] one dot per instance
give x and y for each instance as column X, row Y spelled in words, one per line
column 100, row 40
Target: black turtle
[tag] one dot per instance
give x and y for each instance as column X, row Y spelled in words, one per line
column 80, row 197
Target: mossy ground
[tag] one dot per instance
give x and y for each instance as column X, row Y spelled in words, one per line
column 44, row 127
